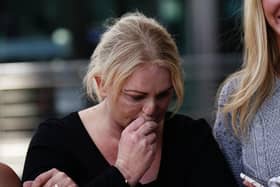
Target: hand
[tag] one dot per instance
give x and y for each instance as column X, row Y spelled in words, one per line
column 248, row 184
column 137, row 148
column 51, row 178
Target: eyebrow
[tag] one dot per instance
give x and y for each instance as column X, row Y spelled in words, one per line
column 140, row 92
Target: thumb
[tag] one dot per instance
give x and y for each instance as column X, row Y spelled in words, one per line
column 27, row 184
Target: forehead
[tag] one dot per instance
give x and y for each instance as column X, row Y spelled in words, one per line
column 147, row 76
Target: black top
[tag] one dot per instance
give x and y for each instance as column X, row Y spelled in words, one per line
column 190, row 155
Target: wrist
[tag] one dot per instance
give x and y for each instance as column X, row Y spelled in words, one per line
column 128, row 179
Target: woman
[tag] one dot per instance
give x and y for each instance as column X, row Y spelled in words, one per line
column 128, row 138
column 247, row 123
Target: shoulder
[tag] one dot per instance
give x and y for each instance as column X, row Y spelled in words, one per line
column 56, row 129
column 193, row 134
column 60, row 123
column 183, row 124
column 227, row 88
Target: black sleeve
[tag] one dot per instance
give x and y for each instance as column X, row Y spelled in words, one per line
column 109, row 178
column 210, row 167
column 48, row 149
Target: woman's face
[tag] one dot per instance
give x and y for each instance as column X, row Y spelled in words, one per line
column 147, row 92
column 272, row 14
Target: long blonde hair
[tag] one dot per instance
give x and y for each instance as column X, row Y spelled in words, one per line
column 257, row 76
column 130, row 41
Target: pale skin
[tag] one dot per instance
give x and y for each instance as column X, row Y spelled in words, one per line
column 50, row 178
column 248, row 184
column 128, row 131
column 272, row 15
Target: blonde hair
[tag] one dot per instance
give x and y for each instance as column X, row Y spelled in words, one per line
column 132, row 40
column 256, row 77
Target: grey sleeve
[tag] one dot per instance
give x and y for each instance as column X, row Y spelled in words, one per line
column 224, row 135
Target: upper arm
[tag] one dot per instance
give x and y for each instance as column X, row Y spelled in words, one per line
column 46, row 151
column 229, row 143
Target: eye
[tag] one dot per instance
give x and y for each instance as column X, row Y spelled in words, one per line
column 136, row 97
column 164, row 94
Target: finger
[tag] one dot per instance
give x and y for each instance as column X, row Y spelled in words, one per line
column 68, row 182
column 44, row 177
column 148, row 127
column 57, row 178
column 151, row 138
column 61, row 179
column 245, row 183
column 248, row 184
column 134, row 125
column 27, row 183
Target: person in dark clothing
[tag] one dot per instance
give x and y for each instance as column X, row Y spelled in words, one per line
column 129, row 138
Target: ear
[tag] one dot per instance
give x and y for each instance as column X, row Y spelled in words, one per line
column 100, row 85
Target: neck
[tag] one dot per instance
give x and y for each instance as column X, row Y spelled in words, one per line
column 104, row 124
column 99, row 127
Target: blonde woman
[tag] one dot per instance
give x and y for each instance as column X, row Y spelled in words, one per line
column 129, row 138
column 247, row 125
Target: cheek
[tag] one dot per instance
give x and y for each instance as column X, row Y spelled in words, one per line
column 124, row 112
column 163, row 105
column 129, row 108
column 270, row 7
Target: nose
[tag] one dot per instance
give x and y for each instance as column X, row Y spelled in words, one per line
column 149, row 108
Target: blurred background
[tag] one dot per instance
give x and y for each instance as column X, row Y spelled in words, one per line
column 45, row 47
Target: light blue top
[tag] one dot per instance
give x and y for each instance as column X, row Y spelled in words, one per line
column 257, row 154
